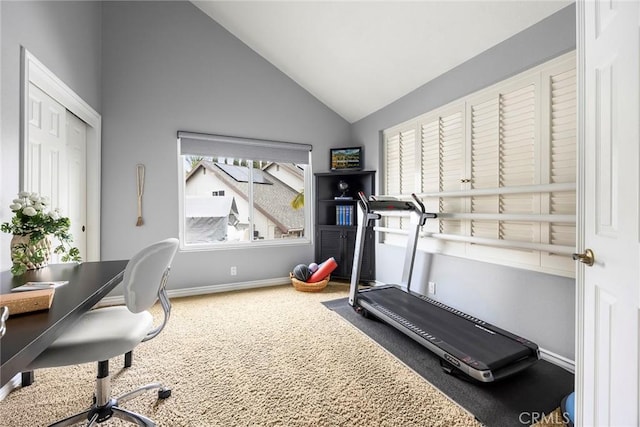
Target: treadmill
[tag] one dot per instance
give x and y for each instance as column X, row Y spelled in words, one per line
column 466, row 345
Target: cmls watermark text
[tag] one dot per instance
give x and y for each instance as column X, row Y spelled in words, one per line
column 556, row 417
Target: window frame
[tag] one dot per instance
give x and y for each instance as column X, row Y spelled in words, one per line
column 305, row 240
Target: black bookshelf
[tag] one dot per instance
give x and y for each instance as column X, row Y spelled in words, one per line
column 336, row 221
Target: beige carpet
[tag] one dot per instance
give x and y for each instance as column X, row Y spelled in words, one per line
column 265, row 357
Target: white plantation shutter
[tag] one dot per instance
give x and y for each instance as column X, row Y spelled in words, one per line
column 392, row 172
column 407, row 161
column 485, row 164
column 400, row 164
column 563, row 153
column 517, row 148
column 430, row 163
column 503, row 154
column 451, row 152
column 517, row 133
column 400, row 161
column 407, row 167
column 392, row 164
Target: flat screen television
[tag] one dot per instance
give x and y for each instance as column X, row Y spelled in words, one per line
column 348, row 158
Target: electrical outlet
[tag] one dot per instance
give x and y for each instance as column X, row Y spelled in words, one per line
column 234, row 270
column 432, row 288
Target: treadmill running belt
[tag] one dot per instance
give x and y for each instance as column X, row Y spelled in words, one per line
column 491, row 348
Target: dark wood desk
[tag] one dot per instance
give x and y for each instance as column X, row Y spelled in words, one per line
column 30, row 333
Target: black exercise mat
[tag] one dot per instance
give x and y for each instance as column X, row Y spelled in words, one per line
column 514, row 401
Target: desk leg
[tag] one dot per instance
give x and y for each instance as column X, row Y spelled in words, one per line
column 128, row 359
column 27, row 378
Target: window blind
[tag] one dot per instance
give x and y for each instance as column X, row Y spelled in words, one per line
column 201, row 144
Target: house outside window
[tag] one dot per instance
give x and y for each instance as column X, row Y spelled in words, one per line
column 227, row 198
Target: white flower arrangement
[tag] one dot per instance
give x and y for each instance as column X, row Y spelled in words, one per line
column 33, row 217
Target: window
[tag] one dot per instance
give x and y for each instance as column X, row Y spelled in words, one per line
column 242, row 191
column 499, row 166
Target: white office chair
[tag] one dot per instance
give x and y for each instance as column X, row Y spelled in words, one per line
column 104, row 333
column 4, row 315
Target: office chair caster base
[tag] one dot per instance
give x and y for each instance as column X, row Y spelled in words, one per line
column 164, row 393
column 99, row 414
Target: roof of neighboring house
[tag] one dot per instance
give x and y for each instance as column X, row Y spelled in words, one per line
column 295, row 170
column 272, row 198
column 208, row 206
column 241, row 173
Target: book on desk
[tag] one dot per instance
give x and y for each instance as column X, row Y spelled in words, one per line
column 28, row 301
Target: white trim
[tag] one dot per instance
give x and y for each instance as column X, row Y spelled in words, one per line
column 181, row 177
column 11, row 385
column 225, row 246
column 33, row 71
column 556, row 359
column 210, row 289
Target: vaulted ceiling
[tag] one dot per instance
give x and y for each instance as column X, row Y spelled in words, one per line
column 358, row 56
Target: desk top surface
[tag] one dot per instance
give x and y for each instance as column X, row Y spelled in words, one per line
column 29, row 334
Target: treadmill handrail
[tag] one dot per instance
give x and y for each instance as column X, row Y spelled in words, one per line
column 390, row 204
column 367, row 214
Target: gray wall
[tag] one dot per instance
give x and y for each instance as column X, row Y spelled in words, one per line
column 538, row 306
column 66, row 37
column 168, row 67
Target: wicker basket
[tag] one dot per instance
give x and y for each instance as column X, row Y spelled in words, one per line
column 309, row 287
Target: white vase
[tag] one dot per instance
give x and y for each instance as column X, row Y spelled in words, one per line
column 23, row 250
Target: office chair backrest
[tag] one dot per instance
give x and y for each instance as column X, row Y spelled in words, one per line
column 4, row 315
column 145, row 274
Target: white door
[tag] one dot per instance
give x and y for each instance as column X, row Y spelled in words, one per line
column 56, row 160
column 608, row 376
column 46, row 148
column 77, row 180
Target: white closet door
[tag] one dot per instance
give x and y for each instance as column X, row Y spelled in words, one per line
column 609, row 294
column 46, row 148
column 56, row 160
column 76, row 148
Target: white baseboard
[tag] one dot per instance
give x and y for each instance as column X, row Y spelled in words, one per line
column 13, row 384
column 556, row 359
column 211, row 289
